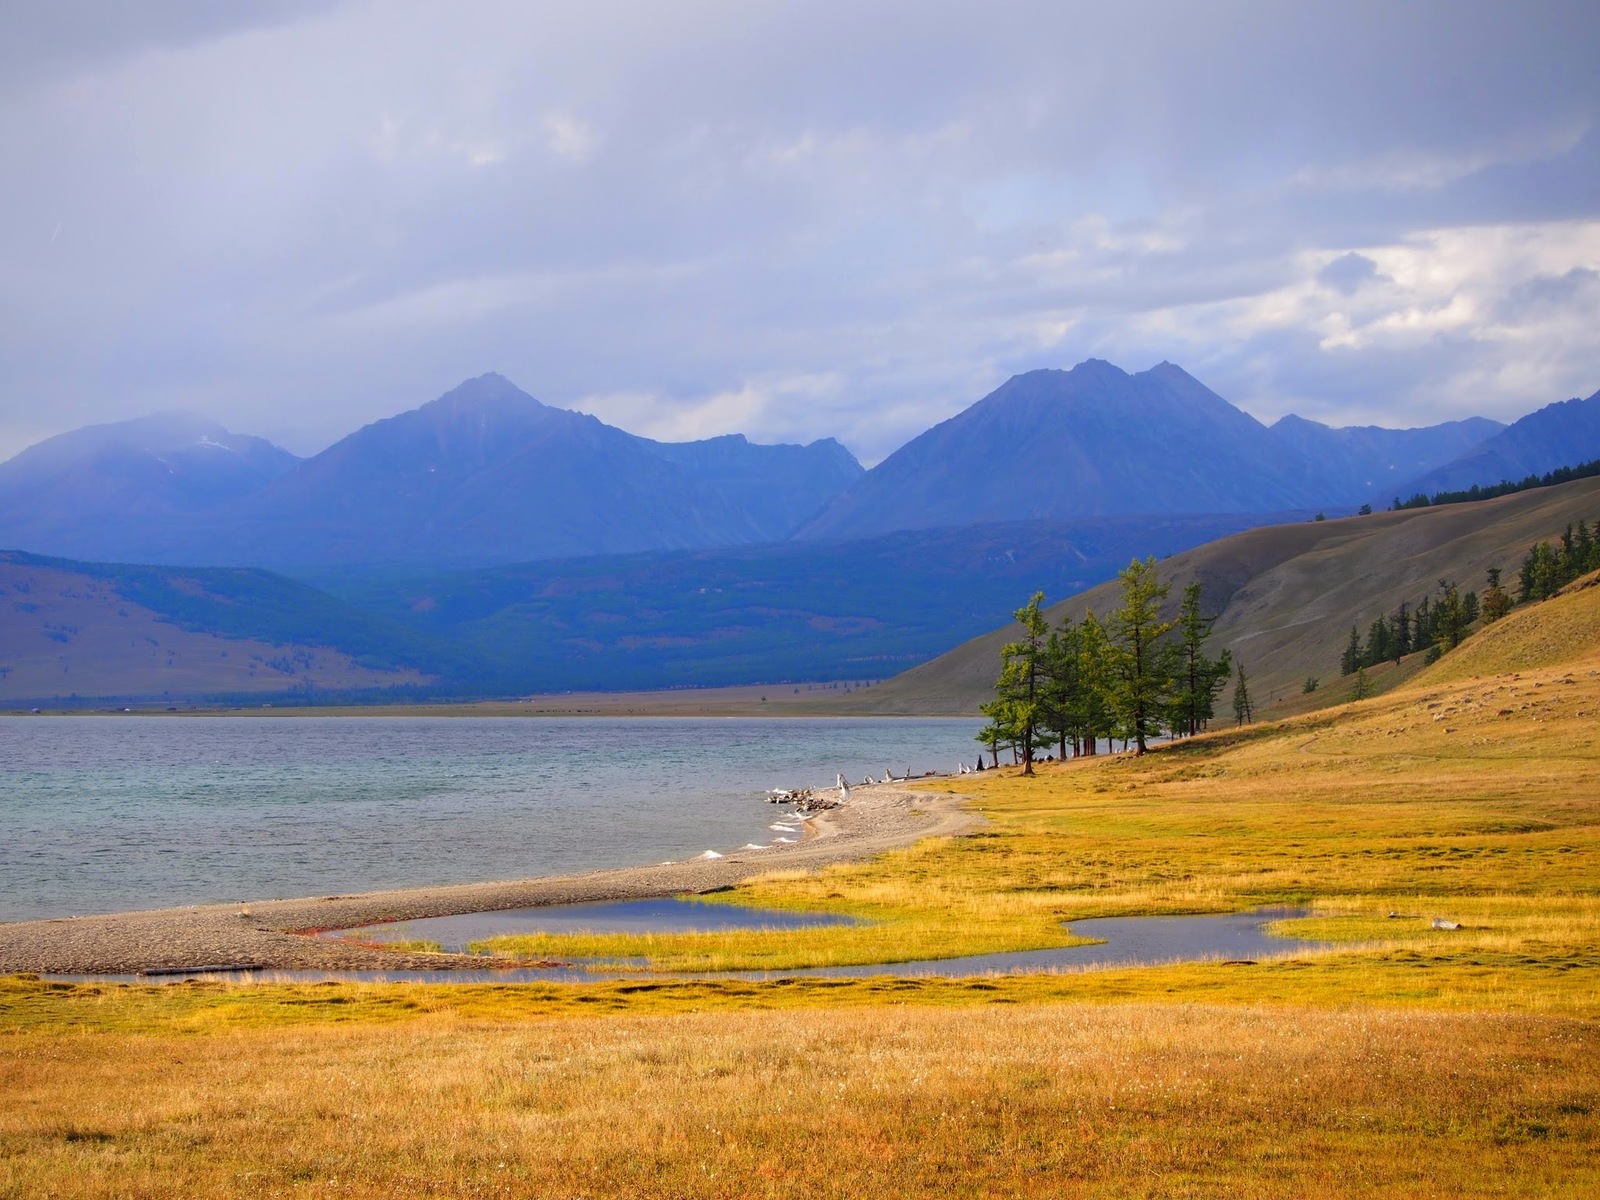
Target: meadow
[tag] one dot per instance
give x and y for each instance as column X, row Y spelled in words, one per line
column 1406, row 1061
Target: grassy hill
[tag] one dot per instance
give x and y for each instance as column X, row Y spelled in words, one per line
column 72, row 631
column 1288, row 594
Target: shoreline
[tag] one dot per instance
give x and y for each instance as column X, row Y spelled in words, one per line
column 273, row 934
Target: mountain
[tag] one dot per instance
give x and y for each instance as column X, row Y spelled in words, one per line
column 484, row 474
column 96, row 491
column 1354, row 464
column 1086, row 442
column 1557, row 435
column 1287, row 595
column 487, row 474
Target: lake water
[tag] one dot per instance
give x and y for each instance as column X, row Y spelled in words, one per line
column 108, row 814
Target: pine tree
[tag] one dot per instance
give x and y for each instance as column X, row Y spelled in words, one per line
column 1352, row 653
column 1402, row 632
column 1496, row 603
column 1060, row 698
column 1241, row 697
column 1140, row 661
column 1377, row 650
column 1199, row 678
column 1022, row 675
column 1452, row 619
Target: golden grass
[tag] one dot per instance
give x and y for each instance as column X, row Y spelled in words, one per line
column 1045, row 1100
column 1408, row 1061
column 1452, row 796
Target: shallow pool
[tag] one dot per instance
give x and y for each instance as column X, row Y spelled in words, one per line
column 1129, row 942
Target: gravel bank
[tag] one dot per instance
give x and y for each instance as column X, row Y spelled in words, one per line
column 267, row 934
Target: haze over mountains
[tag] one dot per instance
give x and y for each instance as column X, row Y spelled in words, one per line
column 486, row 543
column 1095, row 441
column 486, row 475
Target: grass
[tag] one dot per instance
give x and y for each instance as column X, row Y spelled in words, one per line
column 1041, row 1100
column 1406, row 1061
column 1454, row 796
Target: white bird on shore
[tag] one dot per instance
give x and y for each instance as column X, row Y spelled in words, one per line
column 844, row 788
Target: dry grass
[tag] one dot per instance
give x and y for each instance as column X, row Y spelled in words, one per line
column 1453, row 796
column 1047, row 1100
column 1408, row 1062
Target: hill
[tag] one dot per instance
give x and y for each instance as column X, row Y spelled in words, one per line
column 1095, row 440
column 1287, row 595
column 485, row 474
column 95, row 631
column 1557, row 435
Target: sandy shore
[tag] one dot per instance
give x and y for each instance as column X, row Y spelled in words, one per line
column 876, row 819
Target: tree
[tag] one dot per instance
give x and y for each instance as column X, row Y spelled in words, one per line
column 1377, row 650
column 1140, row 663
column 1199, row 678
column 1351, row 659
column 1310, row 685
column 1362, row 690
column 1401, row 640
column 1364, row 511
column 1452, row 616
column 1241, row 697
column 1022, row 675
column 1496, row 603
column 1061, row 700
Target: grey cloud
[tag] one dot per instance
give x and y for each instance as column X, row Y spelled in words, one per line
column 356, row 207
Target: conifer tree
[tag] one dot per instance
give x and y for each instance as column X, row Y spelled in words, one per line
column 1402, row 632
column 1496, row 603
column 1199, row 678
column 1351, row 659
column 1022, row 675
column 1140, row 661
column 1241, row 697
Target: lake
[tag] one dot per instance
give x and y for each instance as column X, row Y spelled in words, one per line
column 111, row 814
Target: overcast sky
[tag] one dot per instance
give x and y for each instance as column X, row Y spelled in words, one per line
column 790, row 220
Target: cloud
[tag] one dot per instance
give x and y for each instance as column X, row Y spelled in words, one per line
column 792, row 220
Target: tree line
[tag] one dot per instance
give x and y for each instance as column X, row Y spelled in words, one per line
column 1583, row 470
column 1132, row 675
column 1441, row 620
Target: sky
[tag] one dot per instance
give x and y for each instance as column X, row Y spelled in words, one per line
column 790, row 220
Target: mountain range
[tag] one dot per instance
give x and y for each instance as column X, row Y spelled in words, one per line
column 488, row 476
column 484, row 474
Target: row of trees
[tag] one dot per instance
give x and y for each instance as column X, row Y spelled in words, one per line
column 1133, row 675
column 1440, row 620
column 1547, row 569
column 1583, row 470
column 1438, row 623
